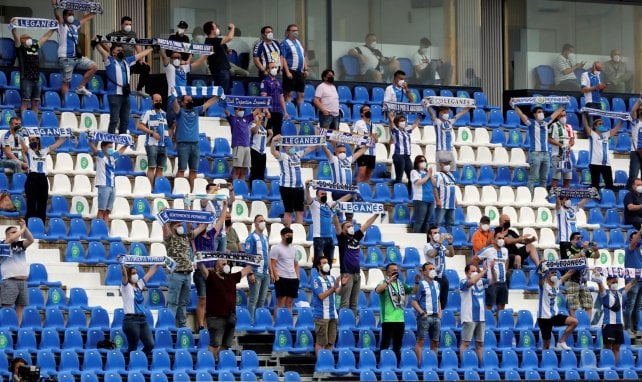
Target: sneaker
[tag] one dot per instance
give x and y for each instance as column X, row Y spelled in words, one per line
column 563, row 346
column 83, row 91
column 141, row 93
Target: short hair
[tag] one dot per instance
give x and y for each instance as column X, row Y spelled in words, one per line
column 484, row 219
column 326, row 72
column 321, row 258
column 125, row 18
column 432, row 227
column 363, row 108
column 210, row 185
column 208, row 27
column 67, row 11
column 104, row 144
column 264, row 28
column 370, row 35
column 114, row 46
column 257, row 216
column 567, row 47
column 536, row 108
column 425, row 42
column 286, row 230
column 6, row 231
column 14, row 119
column 399, row 73
column 467, row 267
column 390, row 265
column 574, row 235
column 498, row 230
column 287, row 29
column 423, row 267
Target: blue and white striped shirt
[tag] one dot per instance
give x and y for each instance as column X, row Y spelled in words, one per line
column 589, row 80
column 609, row 300
column 548, row 301
column 259, row 139
column 402, row 141
column 446, row 188
column 292, row 51
column 117, row 73
column 500, row 256
column 566, row 220
column 268, row 52
column 444, row 134
column 290, row 166
column 324, row 308
column 68, row 39
column 341, row 170
column 105, row 170
column 635, row 134
column 439, row 261
column 472, row 301
column 538, row 135
column 599, row 149
column 155, row 121
column 423, row 192
column 257, row 244
column 427, row 296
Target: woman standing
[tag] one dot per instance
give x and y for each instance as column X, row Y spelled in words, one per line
column 423, row 199
column 135, row 324
column 36, row 186
column 260, row 139
column 401, row 158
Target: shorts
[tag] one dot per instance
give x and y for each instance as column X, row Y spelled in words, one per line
column 613, row 334
column 188, row 155
column 297, row 83
column 241, row 157
column 221, row 330
column 474, row 329
column 430, row 325
column 557, row 174
column 14, row 292
column 156, row 156
column 68, row 64
column 546, row 325
column 106, row 197
column 576, row 296
column 521, row 252
column 497, row 294
column 199, row 283
column 367, row 161
column 286, row 287
column 30, row 89
column 292, row 198
column 326, row 330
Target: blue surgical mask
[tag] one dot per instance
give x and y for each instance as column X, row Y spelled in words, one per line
column 292, row 151
column 110, row 152
column 579, row 245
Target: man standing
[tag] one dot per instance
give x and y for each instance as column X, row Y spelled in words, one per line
column 577, row 293
column 633, row 259
column 186, row 134
column 324, row 288
column 179, row 282
column 612, row 328
column 472, row 314
column 271, row 87
column 635, row 159
column 350, row 258
column 180, row 36
column 322, row 216
column 566, row 214
column 154, row 123
column 265, row 51
column 15, row 270
column 28, row 52
column 140, row 67
column 284, row 271
column 221, row 306
column 117, row 69
column 176, row 71
column 69, row 54
column 240, row 126
column 341, row 167
column 11, row 148
column 105, row 180
column 397, row 92
column 444, row 133
column 633, row 205
column 259, row 281
column 617, row 75
column 218, row 62
column 444, row 189
column 294, row 63
column 435, row 252
column 565, row 65
column 562, row 139
column 326, row 100
column 497, row 255
column 426, row 69
column 592, row 86
column 428, row 308
column 548, row 314
column 392, row 299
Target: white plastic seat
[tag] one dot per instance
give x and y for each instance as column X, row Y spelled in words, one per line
column 482, row 138
column 103, row 124
column 484, row 157
column 139, row 149
column 429, row 136
column 61, row 185
column 123, row 187
column 415, row 136
column 307, row 173
column 178, row 204
column 269, row 158
column 299, row 234
column 464, row 136
column 523, row 197
column 258, row 207
column 488, row 196
column 500, row 157
column 121, row 209
column 302, row 256
column 466, row 156
column 243, row 284
column 604, row 260
column 94, row 206
column 118, row 228
column 540, row 198
column 140, row 165
column 506, row 196
column 200, row 185
column 68, row 120
column 159, row 204
column 493, row 213
column 383, row 133
column 84, row 164
column 241, row 231
column 381, row 153
column 546, row 239
column 471, row 196
column 64, row 164
column 415, row 150
column 87, row 123
column 550, row 254
column 240, row 212
column 142, row 188
column 168, row 170
column 156, row 235
column 458, row 194
column 83, row 187
column 139, row 231
column 618, row 258
column 375, row 276
column 273, row 170
column 49, row 164
column 526, row 217
column 181, row 186
column 517, row 158
column 430, row 152
column 80, row 205
column 544, row 218
column 158, row 249
column 510, row 211
column 274, row 237
column 473, row 214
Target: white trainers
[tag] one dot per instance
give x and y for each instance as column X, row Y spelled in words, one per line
column 563, row 346
column 83, row 91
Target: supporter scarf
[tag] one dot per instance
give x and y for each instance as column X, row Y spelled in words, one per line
column 607, row 114
column 78, row 5
column 540, row 100
column 361, row 207
column 185, row 47
column 148, row 260
column 303, row 140
column 249, row 102
column 115, row 138
column 565, row 264
column 398, row 297
column 629, row 273
column 5, row 250
column 33, row 23
column 449, row 102
column 124, row 40
column 187, row 216
column 580, row 193
column 330, row 186
column 239, row 257
column 404, row 107
column 39, row 132
column 199, row 91
column 349, row 138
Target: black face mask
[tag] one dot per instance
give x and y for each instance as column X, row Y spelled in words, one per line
column 120, row 55
column 228, row 223
column 189, row 105
column 16, row 128
column 158, row 105
column 367, row 114
column 330, row 79
column 288, row 240
column 507, row 224
column 323, row 199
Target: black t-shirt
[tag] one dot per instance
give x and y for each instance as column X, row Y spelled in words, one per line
column 181, row 38
column 571, row 253
column 349, row 245
column 512, row 248
column 29, row 61
column 631, row 217
column 217, row 61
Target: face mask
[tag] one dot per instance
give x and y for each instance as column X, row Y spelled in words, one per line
column 292, row 151
column 189, row 104
column 295, row 35
column 563, row 120
column 218, row 32
column 127, row 28
column 288, row 240
column 539, row 116
column 33, row 145
column 70, row 19
column 485, row 227
column 555, row 280
column 423, row 50
column 226, row 269
column 262, row 226
column 133, row 278
column 432, row 274
column 372, row 44
column 274, row 72
column 351, row 231
column 29, row 43
column 240, row 113
column 436, row 237
column 401, row 82
column 158, row 105
column 602, row 129
column 473, row 274
column 325, row 268
column 444, row 116
column 182, row 30
column 638, row 189
column 330, row 79
column 270, row 35
column 180, row 230
column 500, row 242
column 579, row 245
column 567, row 204
column 367, row 114
column 120, row 55
column 597, row 72
column 447, row 168
column 228, row 223
column 342, row 156
column 571, row 57
column 616, row 58
column 507, row 224
column 323, row 199
column 110, row 152
column 422, row 165
column 402, row 125
column 613, row 287
column 176, row 62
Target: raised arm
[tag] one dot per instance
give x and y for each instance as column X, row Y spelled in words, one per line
column 520, row 113
column 221, row 217
column 230, row 34
column 557, row 112
column 56, row 12
column 587, row 128
column 139, row 56
column 103, row 51
column 461, row 113
column 167, row 232
column 164, row 58
column 44, row 37
column 150, row 273
column 202, row 227
column 473, row 280
column 176, row 106
column 204, row 271
column 328, row 153
column 198, row 62
column 337, row 224
column 210, row 102
column 273, row 149
column 308, row 198
column 615, row 130
column 634, row 109
column 123, row 274
column 92, row 145
column 86, row 18
column 57, row 144
column 359, row 153
column 634, row 240
column 14, row 32
column 368, row 223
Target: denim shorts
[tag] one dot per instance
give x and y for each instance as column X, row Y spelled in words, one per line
column 68, row 64
column 430, row 326
column 30, row 89
column 106, row 197
column 156, row 156
column 188, row 155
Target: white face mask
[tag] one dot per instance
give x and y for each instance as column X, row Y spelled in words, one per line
column 402, row 125
column 422, row 165
column 262, row 226
column 133, row 278
column 218, row 32
column 485, row 227
column 638, row 189
column 29, row 43
column 571, row 57
column 274, row 72
column 613, row 287
column 127, row 28
column 372, row 44
column 436, row 237
column 539, row 116
column 342, row 156
column 181, row 30
column 401, row 82
column 473, row 274
column 70, row 19
column 270, row 36
column 432, row 274
column 325, row 268
column 226, row 269
column 447, row 168
column 597, row 72
column 351, row 231
column 423, row 50
column 240, row 113
column 563, row 120
column 176, row 62
column 567, row 203
column 555, row 280
column 500, row 242
column 444, row 116
column 180, row 230
column 616, row 58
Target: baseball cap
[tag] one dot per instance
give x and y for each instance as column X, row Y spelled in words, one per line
column 182, row 24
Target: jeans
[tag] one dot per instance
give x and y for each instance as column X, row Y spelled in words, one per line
column 11, row 164
column 402, row 165
column 350, row 292
column 257, row 170
column 119, row 108
column 632, row 307
column 223, row 78
column 634, row 168
column 329, row 122
column 178, row 285
column 323, row 246
column 258, row 293
column 136, row 328
column 539, row 163
column 445, row 217
column 423, row 214
column 221, row 243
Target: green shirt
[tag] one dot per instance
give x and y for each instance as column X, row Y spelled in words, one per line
column 232, row 241
column 388, row 311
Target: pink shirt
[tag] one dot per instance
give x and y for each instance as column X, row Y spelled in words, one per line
column 329, row 98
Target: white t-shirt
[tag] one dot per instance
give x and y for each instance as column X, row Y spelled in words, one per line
column 285, row 260
column 421, row 60
column 16, row 264
column 133, row 299
column 176, row 76
column 329, row 97
column 599, row 149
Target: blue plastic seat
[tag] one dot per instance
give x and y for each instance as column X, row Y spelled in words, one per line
column 99, row 319
column 227, row 362
column 304, row 342
column 12, row 98
column 98, row 231
column 373, row 258
column 76, row 319
column 54, row 319
column 37, row 228
column 220, row 169
column 26, row 341
column 284, row 319
column 46, row 360
column 94, row 336
column 468, row 175
column 114, row 275
column 138, row 362
column 160, row 362
column 115, row 362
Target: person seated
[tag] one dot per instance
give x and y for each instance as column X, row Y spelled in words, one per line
column 374, row 66
column 426, row 70
column 617, row 75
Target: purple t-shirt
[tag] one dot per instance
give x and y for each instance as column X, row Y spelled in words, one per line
column 240, row 130
column 350, row 252
column 273, row 88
